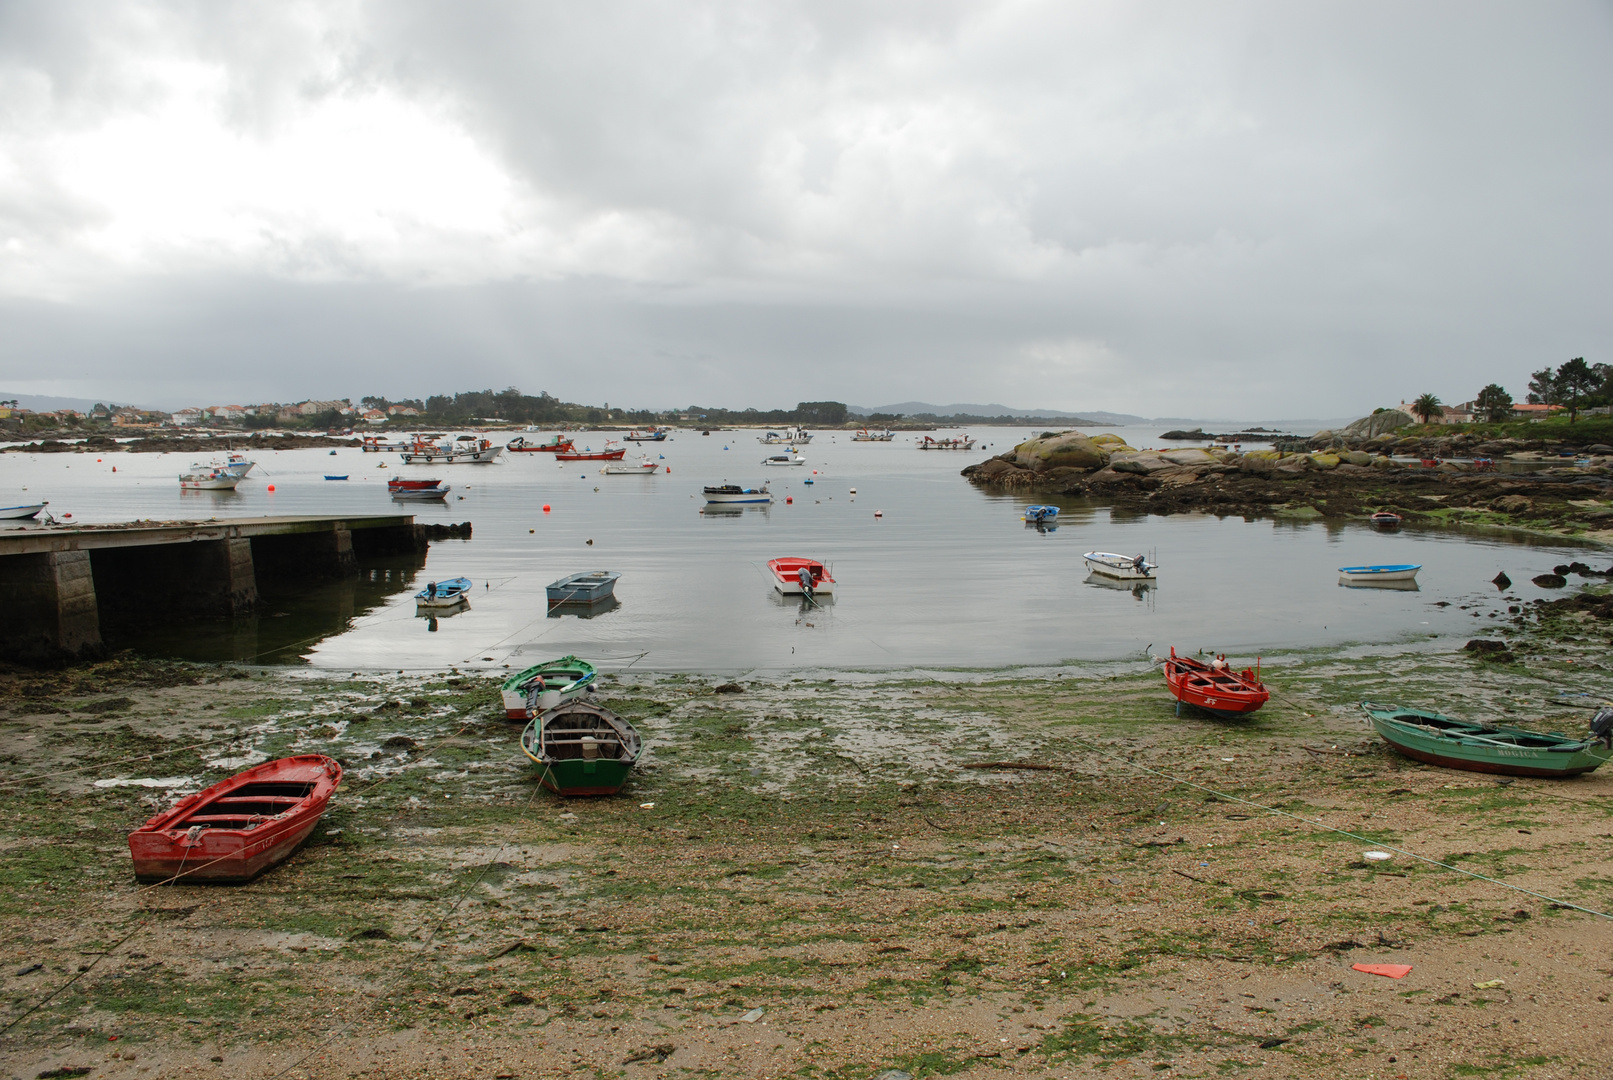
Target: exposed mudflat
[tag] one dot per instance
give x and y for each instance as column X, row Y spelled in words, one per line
column 820, row 888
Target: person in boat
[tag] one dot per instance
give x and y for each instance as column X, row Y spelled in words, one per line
column 431, row 590
column 1138, row 563
column 804, row 576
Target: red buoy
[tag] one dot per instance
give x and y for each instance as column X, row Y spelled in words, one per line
column 545, row 508
column 271, row 487
column 789, row 499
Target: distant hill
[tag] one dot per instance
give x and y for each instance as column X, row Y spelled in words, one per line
column 913, row 408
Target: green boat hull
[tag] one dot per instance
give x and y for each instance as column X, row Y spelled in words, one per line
column 584, row 777
column 1435, row 739
column 581, row 748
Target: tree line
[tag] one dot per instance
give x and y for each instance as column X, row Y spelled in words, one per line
column 513, row 406
column 1573, row 385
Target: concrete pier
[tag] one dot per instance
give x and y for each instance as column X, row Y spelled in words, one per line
column 57, row 584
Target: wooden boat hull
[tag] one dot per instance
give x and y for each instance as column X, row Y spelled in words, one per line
column 1473, row 748
column 582, row 749
column 448, row 593
column 240, row 827
column 1219, row 691
column 220, row 482
column 452, row 457
column 420, row 494
column 732, row 495
column 584, row 588
column 568, row 677
column 1362, row 575
column 602, row 455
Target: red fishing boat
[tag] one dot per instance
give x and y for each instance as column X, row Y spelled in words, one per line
column 1214, row 687
column 556, row 444
column 398, row 483
column 238, row 828
column 586, row 454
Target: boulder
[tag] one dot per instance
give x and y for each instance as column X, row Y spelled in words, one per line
column 1370, row 427
column 1510, row 504
column 1189, row 457
column 1140, row 461
column 1383, row 461
column 1069, row 449
column 1355, row 457
column 1111, row 442
column 1549, row 581
column 993, row 471
column 1325, row 461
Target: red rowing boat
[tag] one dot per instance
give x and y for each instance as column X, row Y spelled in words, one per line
column 606, row 454
column 238, row 828
column 398, row 483
column 1214, row 687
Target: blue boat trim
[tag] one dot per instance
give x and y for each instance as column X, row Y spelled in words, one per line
column 450, row 589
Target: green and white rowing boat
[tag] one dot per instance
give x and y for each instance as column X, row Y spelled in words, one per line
column 582, row 748
column 1457, row 744
column 528, row 692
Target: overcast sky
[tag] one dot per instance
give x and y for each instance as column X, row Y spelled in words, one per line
column 1227, row 209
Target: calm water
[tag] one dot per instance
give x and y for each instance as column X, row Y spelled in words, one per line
column 931, row 570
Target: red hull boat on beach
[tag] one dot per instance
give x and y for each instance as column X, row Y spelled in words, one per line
column 1214, row 687
column 238, row 828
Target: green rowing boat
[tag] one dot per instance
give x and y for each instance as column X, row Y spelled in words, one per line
column 583, row 749
column 567, row 677
column 1458, row 744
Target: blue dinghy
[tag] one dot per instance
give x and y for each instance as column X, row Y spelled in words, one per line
column 443, row 593
column 589, row 588
column 1359, row 575
column 1041, row 513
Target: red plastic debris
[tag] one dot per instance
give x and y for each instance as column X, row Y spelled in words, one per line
column 1394, row 971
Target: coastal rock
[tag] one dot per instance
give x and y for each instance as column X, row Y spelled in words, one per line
column 1380, row 423
column 1382, row 462
column 1355, row 457
column 1549, row 581
column 998, row 471
column 1510, row 504
column 1189, row 457
column 1069, row 449
column 1141, row 461
column 1325, row 461
column 1112, row 443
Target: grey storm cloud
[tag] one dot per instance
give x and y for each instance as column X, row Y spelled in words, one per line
column 1258, row 209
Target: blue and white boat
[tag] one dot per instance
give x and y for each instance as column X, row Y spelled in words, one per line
column 18, row 513
column 586, row 588
column 1041, row 513
column 1359, row 575
column 442, row 594
column 728, row 494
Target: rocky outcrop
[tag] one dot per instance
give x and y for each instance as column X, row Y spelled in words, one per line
column 1378, row 425
column 1068, row 450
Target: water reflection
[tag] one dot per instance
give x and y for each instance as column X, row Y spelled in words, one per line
column 582, row 609
column 1393, row 586
column 1139, row 589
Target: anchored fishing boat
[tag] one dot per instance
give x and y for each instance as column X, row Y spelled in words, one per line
column 864, row 435
column 1357, row 575
column 1121, row 567
column 586, row 588
column 587, row 454
column 464, row 450
column 416, row 490
column 442, row 594
column 208, row 479
column 1457, row 744
column 644, row 466
column 554, row 445
column 655, row 434
column 962, row 442
column 1214, row 687
column 1041, row 513
column 543, row 686
column 784, row 459
column 787, row 576
column 26, row 510
column 238, row 828
column 734, row 494
column 583, row 749
column 773, row 438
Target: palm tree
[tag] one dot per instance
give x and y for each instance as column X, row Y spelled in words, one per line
column 1426, row 407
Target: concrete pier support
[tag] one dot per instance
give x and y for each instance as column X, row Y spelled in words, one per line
column 208, row 578
column 51, row 610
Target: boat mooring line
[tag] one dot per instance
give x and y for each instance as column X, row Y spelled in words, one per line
column 42, row 1002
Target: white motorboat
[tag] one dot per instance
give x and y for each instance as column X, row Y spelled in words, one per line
column 864, row 435
column 1365, row 575
column 1120, row 567
column 787, row 577
column 733, row 494
column 773, row 438
column 784, row 459
column 18, row 513
column 234, row 464
column 644, row 466
column 205, row 478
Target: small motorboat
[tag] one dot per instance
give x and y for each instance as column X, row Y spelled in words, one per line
column 1371, row 575
column 443, row 594
column 556, row 444
column 1385, row 519
column 335, row 478
column 416, row 490
column 962, row 442
column 1120, row 567
column 733, row 493
column 543, row 686
column 655, row 434
column 773, row 438
column 787, row 577
column 1214, row 687
column 588, row 454
column 1041, row 513
column 644, row 466
column 586, row 588
column 1458, row 744
column 208, row 479
column 864, row 435
column 25, row 510
column 583, row 749
column 784, row 459
column 464, row 450
column 238, row 828
column 235, row 464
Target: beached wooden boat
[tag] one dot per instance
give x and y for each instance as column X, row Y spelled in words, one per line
column 236, row 829
column 1121, row 567
column 543, row 686
column 441, row 594
column 582, row 748
column 787, row 576
column 1489, row 748
column 1214, row 687
column 589, row 587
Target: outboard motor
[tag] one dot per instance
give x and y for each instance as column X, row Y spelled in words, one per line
column 1602, row 726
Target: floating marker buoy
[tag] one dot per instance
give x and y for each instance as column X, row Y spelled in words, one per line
column 879, row 513
column 590, row 542
column 545, row 508
column 788, row 499
column 854, row 491
column 67, row 515
column 271, row 487
column 532, row 530
column 114, row 468
column 98, row 461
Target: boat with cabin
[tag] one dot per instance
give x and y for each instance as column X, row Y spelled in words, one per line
column 784, row 459
column 610, row 453
column 733, row 494
column 1435, row 739
column 864, row 435
column 1120, row 567
column 238, row 828
column 443, row 594
column 582, row 749
column 589, row 587
column 1214, row 687
column 799, row 435
column 542, row 686
column 463, row 450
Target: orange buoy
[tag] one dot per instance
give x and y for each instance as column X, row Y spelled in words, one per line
column 67, row 515
column 789, row 499
column 271, row 487
column 545, row 508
